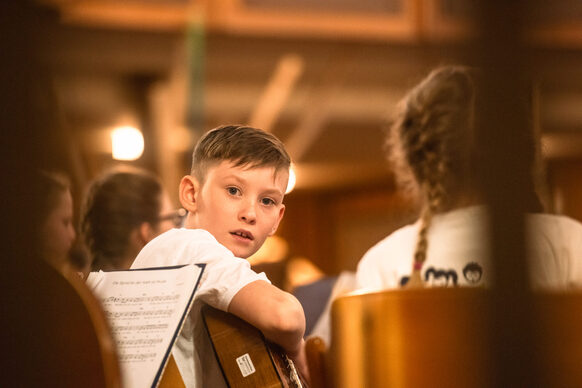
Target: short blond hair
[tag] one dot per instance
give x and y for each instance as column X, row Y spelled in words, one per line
column 242, row 145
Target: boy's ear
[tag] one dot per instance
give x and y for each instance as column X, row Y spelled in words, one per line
column 281, row 212
column 187, row 193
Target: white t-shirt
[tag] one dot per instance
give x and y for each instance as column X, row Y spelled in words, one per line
column 458, row 253
column 223, row 276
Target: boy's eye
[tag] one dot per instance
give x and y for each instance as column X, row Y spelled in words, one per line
column 267, row 201
column 232, row 190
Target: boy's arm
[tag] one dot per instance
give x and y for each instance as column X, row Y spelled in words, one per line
column 277, row 314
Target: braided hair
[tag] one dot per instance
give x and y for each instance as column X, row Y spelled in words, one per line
column 431, row 144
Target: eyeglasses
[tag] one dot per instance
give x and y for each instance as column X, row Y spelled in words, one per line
column 176, row 217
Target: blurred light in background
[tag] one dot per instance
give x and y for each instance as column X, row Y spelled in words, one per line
column 274, row 249
column 292, row 180
column 126, row 143
column 301, row 271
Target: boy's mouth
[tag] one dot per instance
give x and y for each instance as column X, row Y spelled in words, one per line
column 243, row 234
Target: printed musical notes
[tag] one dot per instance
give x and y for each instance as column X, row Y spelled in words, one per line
column 145, row 309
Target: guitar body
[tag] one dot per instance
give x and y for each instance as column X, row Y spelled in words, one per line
column 246, row 358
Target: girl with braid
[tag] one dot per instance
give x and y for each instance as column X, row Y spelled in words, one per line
column 431, row 145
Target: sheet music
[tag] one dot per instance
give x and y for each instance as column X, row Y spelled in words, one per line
column 146, row 309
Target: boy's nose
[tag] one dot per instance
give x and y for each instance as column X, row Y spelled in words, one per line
column 248, row 214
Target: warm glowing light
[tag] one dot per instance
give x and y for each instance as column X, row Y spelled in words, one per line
column 126, row 143
column 274, row 249
column 301, row 271
column 292, row 180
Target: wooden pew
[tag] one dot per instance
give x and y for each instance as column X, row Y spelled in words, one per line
column 171, row 378
column 439, row 337
column 411, row 338
column 54, row 331
column 317, row 362
column 558, row 342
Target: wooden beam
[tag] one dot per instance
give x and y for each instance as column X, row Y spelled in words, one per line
column 277, row 91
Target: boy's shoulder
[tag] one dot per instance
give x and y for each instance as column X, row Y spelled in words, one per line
column 180, row 246
column 186, row 233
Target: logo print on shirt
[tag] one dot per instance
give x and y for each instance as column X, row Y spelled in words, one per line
column 440, row 277
column 473, row 273
column 436, row 278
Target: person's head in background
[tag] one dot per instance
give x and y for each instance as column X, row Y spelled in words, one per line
column 432, row 145
column 432, row 141
column 123, row 210
column 236, row 187
column 56, row 231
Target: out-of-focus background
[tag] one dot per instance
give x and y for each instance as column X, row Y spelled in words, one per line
column 324, row 76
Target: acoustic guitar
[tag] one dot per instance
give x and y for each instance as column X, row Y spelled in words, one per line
column 245, row 357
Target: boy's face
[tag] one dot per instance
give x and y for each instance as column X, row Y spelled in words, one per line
column 239, row 206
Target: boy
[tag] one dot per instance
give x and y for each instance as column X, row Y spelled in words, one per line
column 234, row 199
